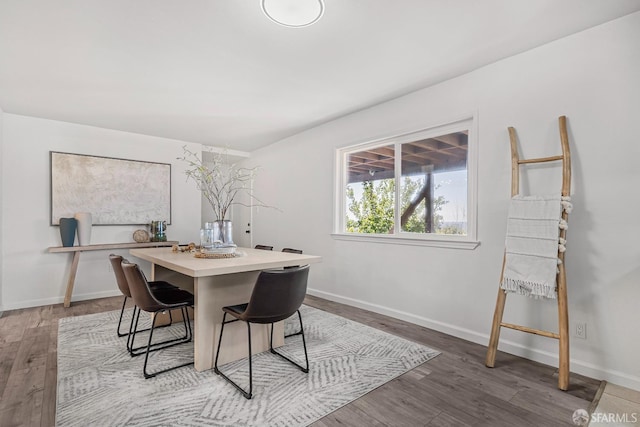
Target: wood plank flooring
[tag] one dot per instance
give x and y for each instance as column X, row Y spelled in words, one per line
column 454, row 389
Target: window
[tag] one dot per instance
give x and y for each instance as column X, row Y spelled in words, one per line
column 417, row 188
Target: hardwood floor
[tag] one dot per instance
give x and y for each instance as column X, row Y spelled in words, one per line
column 453, row 389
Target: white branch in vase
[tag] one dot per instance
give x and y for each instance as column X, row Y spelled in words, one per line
column 220, row 181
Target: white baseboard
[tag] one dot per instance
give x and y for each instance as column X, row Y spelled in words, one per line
column 551, row 359
column 58, row 300
column 537, row 355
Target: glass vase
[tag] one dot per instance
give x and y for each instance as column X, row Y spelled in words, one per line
column 222, row 230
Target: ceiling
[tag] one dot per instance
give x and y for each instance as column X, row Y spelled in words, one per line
column 218, row 72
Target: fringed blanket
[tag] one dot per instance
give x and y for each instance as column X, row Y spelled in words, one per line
column 532, row 244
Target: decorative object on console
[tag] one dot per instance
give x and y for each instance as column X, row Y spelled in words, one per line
column 141, row 236
column 158, row 231
column 68, row 231
column 84, row 228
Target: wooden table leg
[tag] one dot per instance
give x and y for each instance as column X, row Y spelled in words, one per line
column 211, row 294
column 153, row 271
column 72, row 279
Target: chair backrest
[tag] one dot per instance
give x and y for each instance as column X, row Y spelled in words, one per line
column 293, row 251
column 116, row 265
column 264, row 247
column 277, row 295
column 139, row 288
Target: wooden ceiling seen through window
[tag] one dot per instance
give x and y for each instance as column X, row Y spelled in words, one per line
column 437, row 154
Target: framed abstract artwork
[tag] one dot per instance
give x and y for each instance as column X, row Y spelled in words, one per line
column 115, row 191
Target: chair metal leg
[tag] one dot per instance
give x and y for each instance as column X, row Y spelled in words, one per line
column 246, row 394
column 133, row 329
column 304, row 344
column 250, row 358
column 124, row 302
column 177, row 341
column 294, row 334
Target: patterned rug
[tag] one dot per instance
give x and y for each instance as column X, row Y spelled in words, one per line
column 99, row 384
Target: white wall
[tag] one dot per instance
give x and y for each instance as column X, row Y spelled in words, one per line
column 1, row 210
column 31, row 276
column 592, row 78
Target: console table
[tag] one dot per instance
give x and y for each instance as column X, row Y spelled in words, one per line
column 103, row 247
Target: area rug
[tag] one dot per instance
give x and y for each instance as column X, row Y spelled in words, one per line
column 99, row 384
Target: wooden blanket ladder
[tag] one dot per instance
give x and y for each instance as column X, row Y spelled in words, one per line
column 561, row 283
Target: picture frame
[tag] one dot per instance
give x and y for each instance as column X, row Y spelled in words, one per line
column 115, row 191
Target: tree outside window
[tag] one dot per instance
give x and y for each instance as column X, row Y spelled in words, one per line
column 433, row 184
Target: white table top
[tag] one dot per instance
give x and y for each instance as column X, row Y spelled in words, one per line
column 254, row 259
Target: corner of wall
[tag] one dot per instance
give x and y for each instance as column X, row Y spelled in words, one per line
column 1, row 207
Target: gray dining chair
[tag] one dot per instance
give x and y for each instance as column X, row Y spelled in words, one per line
column 264, row 247
column 155, row 303
column 158, row 286
column 292, row 251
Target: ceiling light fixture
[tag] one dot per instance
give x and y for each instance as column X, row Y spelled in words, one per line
column 293, row 13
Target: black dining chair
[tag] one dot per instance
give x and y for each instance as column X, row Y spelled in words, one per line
column 155, row 286
column 146, row 300
column 264, row 247
column 292, row 251
column 277, row 294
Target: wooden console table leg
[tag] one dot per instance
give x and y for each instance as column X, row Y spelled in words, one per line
column 72, row 278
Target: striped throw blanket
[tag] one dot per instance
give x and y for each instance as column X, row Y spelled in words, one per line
column 531, row 247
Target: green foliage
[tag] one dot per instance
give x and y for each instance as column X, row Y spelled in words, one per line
column 374, row 212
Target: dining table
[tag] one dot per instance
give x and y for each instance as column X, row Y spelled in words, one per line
column 216, row 283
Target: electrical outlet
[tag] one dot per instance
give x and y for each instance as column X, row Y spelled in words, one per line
column 110, row 267
column 581, row 330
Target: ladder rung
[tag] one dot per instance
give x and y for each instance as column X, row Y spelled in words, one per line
column 531, row 330
column 541, row 160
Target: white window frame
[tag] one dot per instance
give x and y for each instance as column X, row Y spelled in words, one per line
column 469, row 241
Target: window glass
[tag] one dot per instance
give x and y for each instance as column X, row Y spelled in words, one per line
column 414, row 186
column 370, row 191
column 433, row 188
